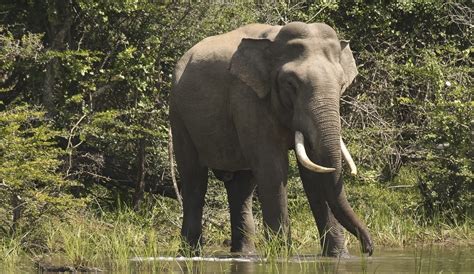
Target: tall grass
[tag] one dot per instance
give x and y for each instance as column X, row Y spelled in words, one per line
column 274, row 246
column 108, row 239
column 395, row 221
column 11, row 251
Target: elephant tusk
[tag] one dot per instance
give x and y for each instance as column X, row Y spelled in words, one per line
column 347, row 156
column 303, row 157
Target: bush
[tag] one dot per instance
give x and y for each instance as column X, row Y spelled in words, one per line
column 32, row 183
column 101, row 70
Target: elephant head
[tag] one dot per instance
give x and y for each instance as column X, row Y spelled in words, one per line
column 302, row 70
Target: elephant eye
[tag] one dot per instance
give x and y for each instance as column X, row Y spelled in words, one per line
column 291, row 85
column 287, row 92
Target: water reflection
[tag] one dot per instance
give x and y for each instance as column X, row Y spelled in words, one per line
column 428, row 259
column 431, row 259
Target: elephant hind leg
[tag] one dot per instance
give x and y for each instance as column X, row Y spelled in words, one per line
column 239, row 194
column 193, row 187
column 193, row 191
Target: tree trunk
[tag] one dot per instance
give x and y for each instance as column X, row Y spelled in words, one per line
column 59, row 26
column 140, row 184
column 47, row 98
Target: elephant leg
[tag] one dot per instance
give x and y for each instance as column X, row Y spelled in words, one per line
column 193, row 187
column 193, row 191
column 330, row 231
column 272, row 193
column 265, row 146
column 239, row 194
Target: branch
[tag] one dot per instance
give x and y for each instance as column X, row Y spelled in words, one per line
column 70, row 146
column 3, row 185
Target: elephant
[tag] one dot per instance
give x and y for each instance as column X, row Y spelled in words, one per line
column 239, row 102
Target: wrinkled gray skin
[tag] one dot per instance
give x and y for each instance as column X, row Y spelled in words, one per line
column 236, row 102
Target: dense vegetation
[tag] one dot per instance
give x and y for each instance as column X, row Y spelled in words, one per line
column 84, row 128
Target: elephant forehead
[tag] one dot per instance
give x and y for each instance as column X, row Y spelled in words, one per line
column 323, row 31
column 301, row 30
column 310, row 48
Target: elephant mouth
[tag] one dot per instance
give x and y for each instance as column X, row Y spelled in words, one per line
column 307, row 163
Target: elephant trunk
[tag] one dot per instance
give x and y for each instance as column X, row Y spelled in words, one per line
column 327, row 150
column 303, row 157
column 346, row 216
column 306, row 162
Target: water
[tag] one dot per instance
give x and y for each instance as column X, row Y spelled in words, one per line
column 420, row 260
column 429, row 259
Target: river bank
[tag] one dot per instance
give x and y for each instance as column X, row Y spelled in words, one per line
column 108, row 239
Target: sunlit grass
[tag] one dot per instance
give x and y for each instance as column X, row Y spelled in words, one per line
column 109, row 239
column 273, row 246
column 394, row 223
column 11, row 251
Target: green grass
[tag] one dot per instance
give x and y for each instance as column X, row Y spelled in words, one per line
column 12, row 250
column 395, row 221
column 108, row 239
column 98, row 239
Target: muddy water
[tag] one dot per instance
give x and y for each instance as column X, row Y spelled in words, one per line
column 426, row 260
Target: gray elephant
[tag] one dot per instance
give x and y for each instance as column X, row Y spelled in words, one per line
column 239, row 102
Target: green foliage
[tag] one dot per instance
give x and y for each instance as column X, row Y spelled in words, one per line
column 101, row 70
column 445, row 131
column 411, row 102
column 14, row 52
column 28, row 151
column 30, row 167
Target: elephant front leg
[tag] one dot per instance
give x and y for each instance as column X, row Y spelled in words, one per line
column 272, row 194
column 330, row 231
column 239, row 194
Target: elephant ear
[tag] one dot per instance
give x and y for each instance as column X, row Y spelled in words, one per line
column 250, row 63
column 348, row 65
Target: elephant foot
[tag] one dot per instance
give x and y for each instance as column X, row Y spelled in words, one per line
column 333, row 245
column 247, row 248
column 337, row 253
column 192, row 249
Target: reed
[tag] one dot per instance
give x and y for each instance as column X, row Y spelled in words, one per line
column 108, row 239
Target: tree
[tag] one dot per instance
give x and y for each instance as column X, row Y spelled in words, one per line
column 30, row 172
